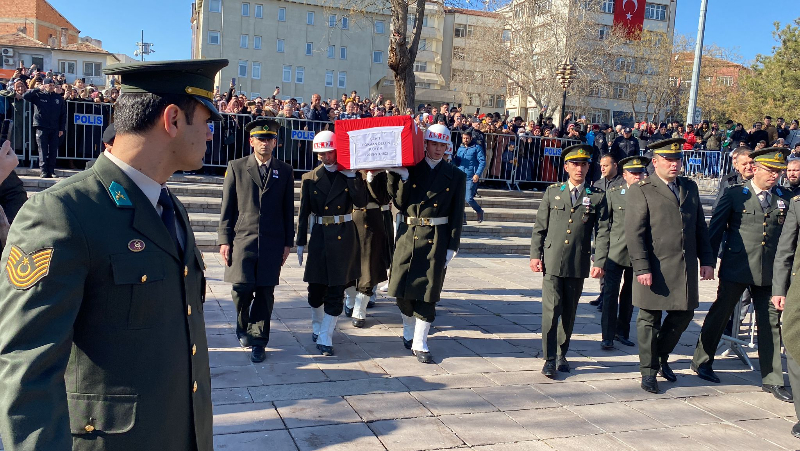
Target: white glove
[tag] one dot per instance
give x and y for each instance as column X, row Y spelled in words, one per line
column 300, row 254
column 450, row 255
column 349, row 173
column 370, row 176
column 402, row 172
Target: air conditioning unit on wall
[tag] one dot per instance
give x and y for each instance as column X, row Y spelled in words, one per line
column 8, row 52
column 7, row 61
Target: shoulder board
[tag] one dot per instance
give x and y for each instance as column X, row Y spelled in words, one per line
column 554, row 186
column 796, row 198
column 644, row 182
column 597, row 190
column 735, row 186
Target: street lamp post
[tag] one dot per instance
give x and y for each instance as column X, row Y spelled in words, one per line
column 566, row 74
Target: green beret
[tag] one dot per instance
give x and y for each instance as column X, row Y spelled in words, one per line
column 578, row 153
column 634, row 164
column 771, row 157
column 262, row 127
column 668, row 148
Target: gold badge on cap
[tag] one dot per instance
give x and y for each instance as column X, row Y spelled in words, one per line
column 676, row 146
column 779, row 156
column 25, row 270
column 136, row 245
column 636, row 161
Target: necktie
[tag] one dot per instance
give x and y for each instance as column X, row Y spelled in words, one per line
column 262, row 168
column 168, row 216
column 574, row 195
column 763, row 197
column 674, row 188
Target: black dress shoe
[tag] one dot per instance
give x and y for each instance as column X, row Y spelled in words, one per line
column 796, row 430
column 649, row 384
column 407, row 343
column 705, row 372
column 549, row 369
column 243, row 342
column 596, row 302
column 258, row 355
column 600, row 307
column 423, row 356
column 563, row 365
column 779, row 392
column 624, row 341
column 314, row 337
column 325, row 350
column 45, row 175
column 370, row 304
column 607, row 344
column 666, row 371
column 359, row 322
column 480, row 217
column 348, row 312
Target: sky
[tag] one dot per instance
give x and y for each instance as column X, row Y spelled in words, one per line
column 119, row 24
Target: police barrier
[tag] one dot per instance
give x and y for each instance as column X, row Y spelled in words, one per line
column 706, row 167
column 83, row 135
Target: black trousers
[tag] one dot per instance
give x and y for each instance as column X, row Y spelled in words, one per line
column 617, row 306
column 425, row 311
column 331, row 297
column 253, row 312
column 657, row 340
column 48, row 142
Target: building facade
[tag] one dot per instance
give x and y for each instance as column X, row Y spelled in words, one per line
column 38, row 20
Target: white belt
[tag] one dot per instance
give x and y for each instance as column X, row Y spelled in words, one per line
column 410, row 220
column 327, row 220
column 374, row 205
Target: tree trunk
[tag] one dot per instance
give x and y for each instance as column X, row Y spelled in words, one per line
column 402, row 54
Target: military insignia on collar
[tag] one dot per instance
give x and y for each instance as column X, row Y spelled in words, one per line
column 563, row 187
column 588, row 190
column 778, row 190
column 25, row 270
column 745, row 190
column 119, row 195
column 622, row 191
column 136, row 245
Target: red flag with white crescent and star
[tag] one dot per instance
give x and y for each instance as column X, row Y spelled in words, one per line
column 629, row 17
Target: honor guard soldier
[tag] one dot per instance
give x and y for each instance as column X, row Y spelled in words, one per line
column 430, row 198
column 102, row 335
column 561, row 247
column 327, row 199
column 374, row 234
column 752, row 215
column 666, row 234
column 256, row 231
column 617, row 306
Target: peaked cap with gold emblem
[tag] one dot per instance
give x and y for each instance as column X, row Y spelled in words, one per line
column 578, row 153
column 634, row 164
column 771, row 157
column 668, row 148
column 262, row 127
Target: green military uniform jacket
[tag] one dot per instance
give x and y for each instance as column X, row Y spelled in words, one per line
column 102, row 336
column 333, row 250
column 666, row 237
column 786, row 265
column 373, row 234
column 418, row 265
column 752, row 233
column 257, row 219
column 562, row 235
column 612, row 245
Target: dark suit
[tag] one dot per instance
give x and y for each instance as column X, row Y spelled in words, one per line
column 374, row 235
column 787, row 264
column 257, row 220
column 107, row 348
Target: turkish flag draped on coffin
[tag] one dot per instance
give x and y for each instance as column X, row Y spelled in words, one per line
column 629, row 17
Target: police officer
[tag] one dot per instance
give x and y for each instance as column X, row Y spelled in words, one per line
column 115, row 356
column 753, row 215
column 256, row 230
column 567, row 216
column 430, row 200
column 50, row 119
column 374, row 235
column 613, row 248
column 327, row 199
column 666, row 233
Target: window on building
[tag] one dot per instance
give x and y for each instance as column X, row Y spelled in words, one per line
column 245, row 9
column 377, row 57
column 345, row 23
column 725, row 80
column 310, row 18
column 281, row 45
column 488, row 100
column 331, row 51
column 243, row 41
column 597, row 116
column 213, row 38
column 380, row 27
column 421, row 85
column 309, row 48
column 67, row 67
column 423, row 45
column 329, row 78
column 655, row 12
column 91, row 69
column 607, row 6
column 242, row 69
column 506, row 35
column 470, row 30
column 605, row 32
column 342, row 79
column 412, row 20
column 332, row 21
column 300, row 74
column 420, row 66
column 215, row 6
column 256, row 71
column 625, row 65
column 287, row 74
column 257, row 42
column 343, row 53
column 259, row 11
column 461, row 31
column 619, row 91
column 500, row 102
column 674, row 81
column 281, row 14
column 709, row 80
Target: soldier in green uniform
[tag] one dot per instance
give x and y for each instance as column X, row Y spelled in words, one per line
column 562, row 237
column 666, row 232
column 430, row 200
column 375, row 250
column 256, row 230
column 327, row 199
column 617, row 306
column 102, row 336
column 752, row 215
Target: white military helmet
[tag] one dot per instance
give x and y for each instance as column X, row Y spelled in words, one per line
column 324, row 141
column 438, row 133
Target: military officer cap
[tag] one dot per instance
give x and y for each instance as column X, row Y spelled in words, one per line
column 771, row 157
column 634, row 164
column 262, row 127
column 668, row 148
column 109, row 134
column 184, row 77
column 578, row 153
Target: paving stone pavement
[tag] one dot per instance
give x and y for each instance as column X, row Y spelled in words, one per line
column 485, row 391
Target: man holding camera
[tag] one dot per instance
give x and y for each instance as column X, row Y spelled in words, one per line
column 49, row 119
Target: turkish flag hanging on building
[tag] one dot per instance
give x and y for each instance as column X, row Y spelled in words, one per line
column 629, row 17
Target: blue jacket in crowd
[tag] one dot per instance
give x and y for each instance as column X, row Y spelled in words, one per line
column 470, row 159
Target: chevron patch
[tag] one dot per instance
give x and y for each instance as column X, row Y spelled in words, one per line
column 25, row 270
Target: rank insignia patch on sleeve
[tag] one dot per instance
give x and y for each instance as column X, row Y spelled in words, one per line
column 25, row 270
